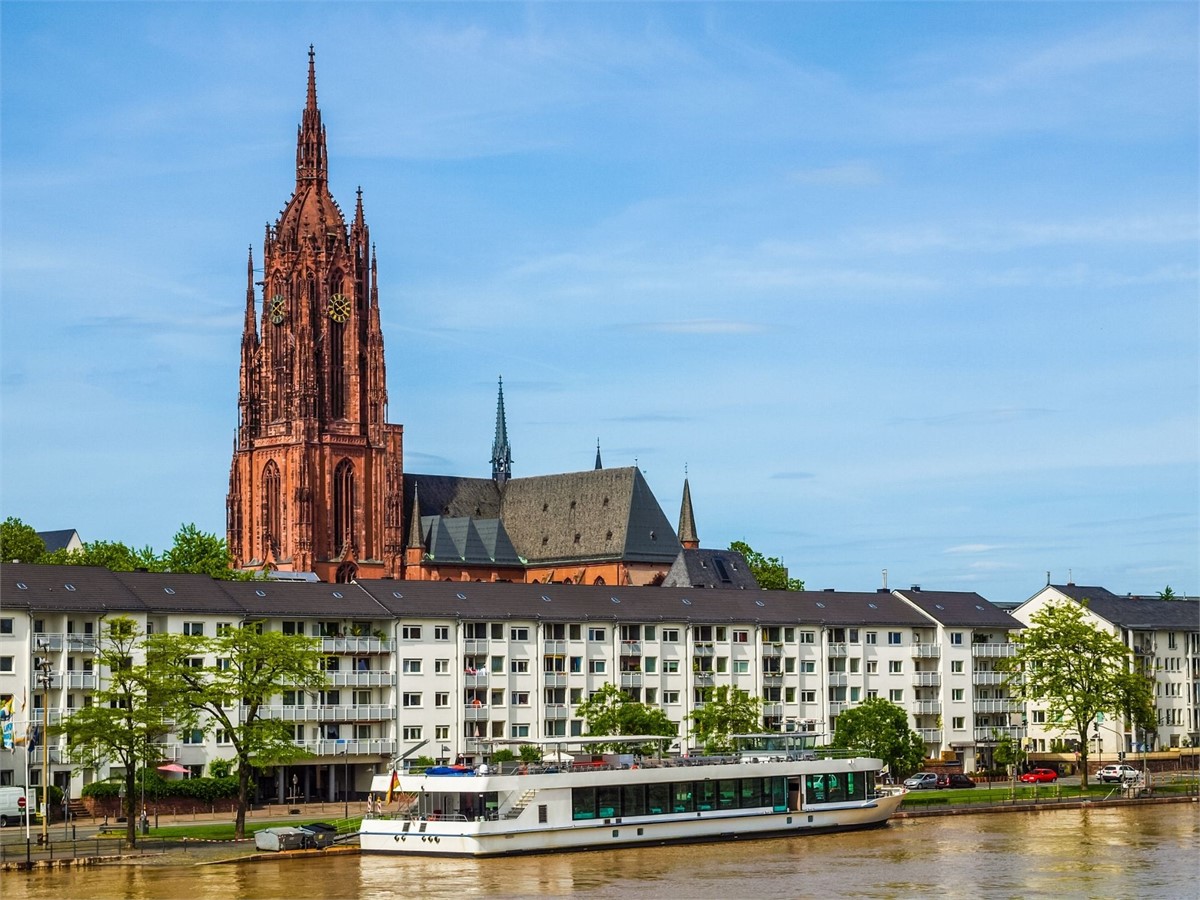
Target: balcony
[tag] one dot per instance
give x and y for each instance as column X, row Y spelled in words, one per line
column 631, row 648
column 82, row 681
column 361, row 678
column 992, row 733
column 988, row 677
column 363, row 713
column 631, row 679
column 363, row 747
column 473, row 713
column 475, row 678
column 926, row 651
column 703, row 677
column 770, row 651
column 997, row 706
column 165, row 752
column 772, row 677
column 926, row 707
column 556, row 712
column 47, row 642
column 837, row 707
column 81, row 643
column 927, row 679
column 839, row 649
column 555, row 648
column 772, row 710
column 356, row 645
column 555, row 679
column 475, row 646
column 58, row 756
column 930, row 735
column 993, row 651
column 704, row 650
column 837, row 679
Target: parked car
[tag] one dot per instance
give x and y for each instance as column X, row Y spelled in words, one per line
column 921, row 781
column 1039, row 776
column 1119, row 772
column 955, row 780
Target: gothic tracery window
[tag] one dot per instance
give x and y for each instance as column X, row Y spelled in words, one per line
column 343, row 505
column 272, row 504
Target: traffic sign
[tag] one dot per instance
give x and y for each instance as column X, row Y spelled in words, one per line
column 20, row 803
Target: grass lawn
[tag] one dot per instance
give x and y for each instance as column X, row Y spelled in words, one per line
column 221, row 831
column 1003, row 793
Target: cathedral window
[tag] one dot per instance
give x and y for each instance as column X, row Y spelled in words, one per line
column 343, row 505
column 272, row 513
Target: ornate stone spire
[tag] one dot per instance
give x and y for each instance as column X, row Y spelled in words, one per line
column 501, row 452
column 311, row 163
column 599, row 465
column 687, row 520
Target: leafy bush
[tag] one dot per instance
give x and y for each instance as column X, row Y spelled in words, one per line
column 503, row 755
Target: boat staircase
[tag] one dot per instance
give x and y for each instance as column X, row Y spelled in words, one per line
column 519, row 807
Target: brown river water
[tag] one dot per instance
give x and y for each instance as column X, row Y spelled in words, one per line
column 1140, row 852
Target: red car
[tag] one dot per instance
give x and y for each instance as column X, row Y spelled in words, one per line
column 1039, row 776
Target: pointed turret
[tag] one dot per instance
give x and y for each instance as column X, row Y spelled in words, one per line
column 310, row 144
column 599, row 465
column 687, row 521
column 501, row 452
column 414, row 548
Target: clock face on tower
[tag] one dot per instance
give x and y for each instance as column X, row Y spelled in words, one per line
column 278, row 310
column 339, row 307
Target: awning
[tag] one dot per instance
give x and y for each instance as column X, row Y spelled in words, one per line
column 174, row 767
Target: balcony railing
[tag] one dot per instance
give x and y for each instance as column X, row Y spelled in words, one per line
column 373, row 712
column 927, row 679
column 47, row 642
column 997, row 706
column 926, row 707
column 557, row 711
column 988, row 677
column 772, row 650
column 555, row 679
column 361, row 678
column 57, row 755
column 703, row 677
column 837, row 707
column 773, row 677
column 555, row 648
column 631, row 648
column 161, row 752
column 357, row 645
column 478, row 678
column 704, row 650
column 930, row 735
column 472, row 713
column 475, row 646
column 354, row 747
column 839, row 649
column 81, row 643
column 989, row 734
column 82, row 681
column 631, row 679
column 838, row 679
column 775, row 710
column 993, row 650
column 926, row 651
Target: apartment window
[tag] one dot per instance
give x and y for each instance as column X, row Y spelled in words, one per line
column 293, row 628
column 441, row 667
column 855, row 665
column 497, row 664
column 722, row 663
column 596, row 634
column 223, row 736
column 362, row 698
column 441, row 632
column 224, row 628
column 518, row 634
column 1039, row 717
column 441, row 699
column 721, row 633
column 412, row 732
column 411, row 667
column 789, row 664
column 872, row 693
column 872, row 637
column 651, row 696
column 410, row 632
column 670, row 666
column 650, row 664
column 854, row 635
column 956, row 667
column 193, row 736
column 6, row 626
column 671, row 635
column 956, row 637
column 895, row 667
column 195, row 629
column 808, row 696
column 808, row 637
column 518, row 730
column 441, row 732
column 293, row 698
column 576, row 664
column 497, row 698
column 224, row 664
column 520, row 698
column 411, row 699
column 872, row 666
column 896, row 695
column 855, row 694
column 648, row 632
column 894, row 637
column 331, row 698
column 789, row 695
column 741, row 637
column 741, row 666
column 6, row 663
column 958, row 723
column 956, row 695
column 192, row 662
column 519, row 666
column 597, row 666
column 670, row 698
column 576, row 696
column 808, row 665
column 573, row 631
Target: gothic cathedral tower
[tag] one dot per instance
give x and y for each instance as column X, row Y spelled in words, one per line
column 316, row 482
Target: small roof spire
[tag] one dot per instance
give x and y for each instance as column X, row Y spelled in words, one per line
column 501, row 452
column 687, row 520
column 414, row 523
column 310, row 142
column 599, row 465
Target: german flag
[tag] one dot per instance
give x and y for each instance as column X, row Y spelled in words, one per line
column 392, row 785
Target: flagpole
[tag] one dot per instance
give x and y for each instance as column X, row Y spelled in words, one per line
column 27, row 811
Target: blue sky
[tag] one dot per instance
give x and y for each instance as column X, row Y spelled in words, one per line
column 903, row 286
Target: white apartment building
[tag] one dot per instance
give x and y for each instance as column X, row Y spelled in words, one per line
column 445, row 669
column 1164, row 637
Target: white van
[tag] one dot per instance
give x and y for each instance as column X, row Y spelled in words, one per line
column 11, row 812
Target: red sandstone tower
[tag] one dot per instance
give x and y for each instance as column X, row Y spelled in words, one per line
column 316, row 483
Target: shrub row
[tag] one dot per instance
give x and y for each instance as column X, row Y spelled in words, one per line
column 157, row 788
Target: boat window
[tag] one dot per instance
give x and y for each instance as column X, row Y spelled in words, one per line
column 633, row 800
column 706, row 795
column 660, row 799
column 727, row 793
column 583, row 803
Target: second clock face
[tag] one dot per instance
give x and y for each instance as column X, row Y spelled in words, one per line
column 339, row 307
column 278, row 309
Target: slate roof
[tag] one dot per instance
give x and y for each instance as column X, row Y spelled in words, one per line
column 704, row 568
column 964, row 609
column 468, row 541
column 64, row 588
column 1139, row 613
column 58, row 540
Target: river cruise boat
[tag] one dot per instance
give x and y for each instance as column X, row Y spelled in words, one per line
column 771, row 788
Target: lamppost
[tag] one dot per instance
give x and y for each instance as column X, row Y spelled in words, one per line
column 344, row 753
column 42, row 663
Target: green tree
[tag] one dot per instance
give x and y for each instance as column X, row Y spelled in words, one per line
column 1008, row 753
column 1078, row 671
column 771, row 574
column 880, row 729
column 726, row 711
column 199, row 553
column 251, row 666
column 612, row 711
column 1167, row 594
column 19, row 542
column 125, row 716
column 111, row 555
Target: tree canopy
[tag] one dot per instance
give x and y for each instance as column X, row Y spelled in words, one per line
column 20, row 542
column 769, row 571
column 879, row 728
column 1080, row 672
column 726, row 711
column 612, row 711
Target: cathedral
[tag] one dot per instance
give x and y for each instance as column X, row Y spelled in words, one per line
column 317, row 483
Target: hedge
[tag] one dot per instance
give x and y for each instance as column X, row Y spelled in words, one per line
column 158, row 788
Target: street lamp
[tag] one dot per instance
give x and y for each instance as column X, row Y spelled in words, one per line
column 42, row 663
column 345, row 754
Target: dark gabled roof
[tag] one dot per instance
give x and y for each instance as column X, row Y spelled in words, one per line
column 468, row 541
column 450, row 495
column 597, row 514
column 174, row 592
column 264, row 599
column 58, row 540
column 703, row 568
column 64, row 588
column 965, row 609
column 1144, row 613
column 854, row 608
